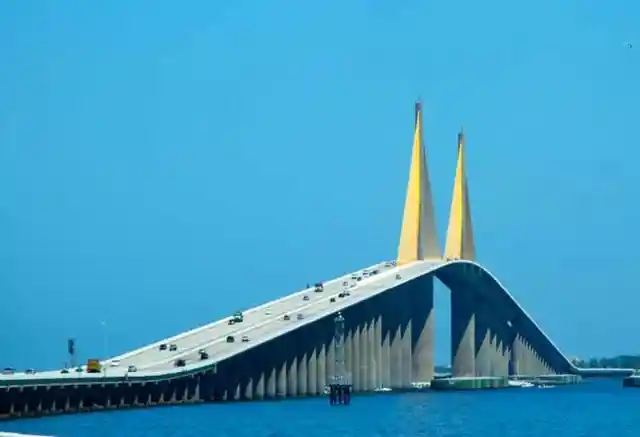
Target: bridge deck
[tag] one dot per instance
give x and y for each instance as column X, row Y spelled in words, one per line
column 260, row 324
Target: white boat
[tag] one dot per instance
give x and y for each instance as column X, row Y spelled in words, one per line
column 520, row 384
column 382, row 389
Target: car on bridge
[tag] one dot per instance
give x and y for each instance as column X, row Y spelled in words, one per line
column 203, row 354
column 163, row 347
column 286, row 317
column 64, row 371
column 230, row 339
column 245, row 338
column 132, row 368
column 237, row 317
column 332, row 300
column 180, row 362
column 318, row 287
column 8, row 371
column 300, row 316
column 173, row 348
column 305, row 297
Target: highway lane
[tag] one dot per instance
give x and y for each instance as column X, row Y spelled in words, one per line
column 319, row 307
column 272, row 311
column 191, row 341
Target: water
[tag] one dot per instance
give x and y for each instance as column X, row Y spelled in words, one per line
column 594, row 409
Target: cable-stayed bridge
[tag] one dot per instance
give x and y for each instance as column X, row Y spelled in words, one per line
column 287, row 347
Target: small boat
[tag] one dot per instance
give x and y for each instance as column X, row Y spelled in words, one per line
column 520, row 384
column 382, row 389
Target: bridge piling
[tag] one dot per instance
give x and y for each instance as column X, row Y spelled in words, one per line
column 321, row 366
column 395, row 346
column 462, row 334
column 482, row 344
column 406, row 329
column 372, row 372
column 422, row 326
column 363, row 369
column 312, row 363
column 355, row 355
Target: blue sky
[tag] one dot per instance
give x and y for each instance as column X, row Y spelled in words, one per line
column 162, row 166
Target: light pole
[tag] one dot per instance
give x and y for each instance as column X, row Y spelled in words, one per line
column 105, row 345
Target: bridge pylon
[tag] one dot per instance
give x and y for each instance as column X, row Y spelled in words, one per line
column 460, row 243
column 418, row 240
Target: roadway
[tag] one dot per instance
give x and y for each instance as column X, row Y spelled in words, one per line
column 266, row 322
column 213, row 336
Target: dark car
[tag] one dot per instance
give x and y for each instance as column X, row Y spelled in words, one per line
column 305, row 297
column 30, row 371
column 132, row 368
column 173, row 348
column 163, row 347
column 286, row 317
column 300, row 316
column 8, row 371
column 341, row 294
column 230, row 339
column 204, row 355
column 332, row 300
column 64, row 371
column 180, row 362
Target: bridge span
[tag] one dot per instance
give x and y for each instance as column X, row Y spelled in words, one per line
column 287, row 347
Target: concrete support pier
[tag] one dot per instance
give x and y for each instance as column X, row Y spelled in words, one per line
column 422, row 335
column 462, row 334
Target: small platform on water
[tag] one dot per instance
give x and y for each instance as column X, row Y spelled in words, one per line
column 631, row 381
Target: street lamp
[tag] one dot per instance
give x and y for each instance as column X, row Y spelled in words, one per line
column 105, row 345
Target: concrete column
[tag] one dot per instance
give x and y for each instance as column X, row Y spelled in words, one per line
column 396, row 356
column 292, row 375
column 387, row 333
column 281, row 383
column 348, row 353
column 364, row 356
column 312, row 368
column 302, row 374
column 506, row 352
column 270, row 386
column 482, row 340
column 422, row 326
column 322, row 367
column 372, row 370
column 355, row 354
column 494, row 351
column 407, row 361
column 462, row 334
column 528, row 360
column 248, row 388
column 378, row 351
column 524, row 355
column 504, row 356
